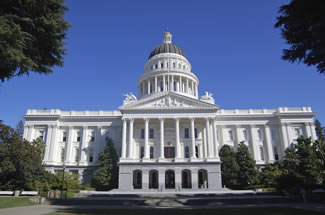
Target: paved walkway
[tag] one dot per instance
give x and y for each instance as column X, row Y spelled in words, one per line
column 45, row 209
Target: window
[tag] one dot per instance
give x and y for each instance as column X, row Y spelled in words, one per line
column 151, row 88
column 142, row 133
column 161, row 86
column 151, row 152
column 197, row 151
column 297, row 132
column 184, row 67
column 169, row 152
column 195, row 133
column 41, row 134
column 245, row 135
column 78, row 136
column 141, row 152
column 92, row 136
column 76, row 158
column 64, row 136
column 162, row 65
column 261, row 153
column 186, row 133
column 187, row 152
column 91, row 155
column 259, row 134
column 151, row 133
column 179, row 66
column 230, row 136
column 156, row 66
column 175, row 87
column 174, row 65
column 276, row 154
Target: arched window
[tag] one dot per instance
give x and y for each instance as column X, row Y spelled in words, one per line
column 137, row 179
column 203, row 179
column 186, row 179
column 153, row 179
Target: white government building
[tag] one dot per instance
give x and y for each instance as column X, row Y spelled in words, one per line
column 168, row 138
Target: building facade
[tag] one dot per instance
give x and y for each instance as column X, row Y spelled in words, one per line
column 168, row 137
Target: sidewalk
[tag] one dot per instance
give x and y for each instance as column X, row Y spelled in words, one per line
column 45, row 209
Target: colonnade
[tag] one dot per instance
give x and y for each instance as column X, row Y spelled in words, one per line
column 174, row 83
column 210, row 143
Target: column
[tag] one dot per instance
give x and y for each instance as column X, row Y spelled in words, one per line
column 178, row 147
column 83, row 144
column 146, row 138
column 253, row 145
column 164, row 83
column 69, row 145
column 237, row 137
column 156, row 84
column 313, row 131
column 193, row 139
column 307, row 130
column 30, row 132
column 172, row 84
column 53, row 143
column 192, row 87
column 98, row 141
column 180, row 84
column 187, row 88
column 207, row 125
column 130, row 155
column 205, row 152
column 123, row 153
column 268, row 142
column 48, row 143
column 196, row 91
column 216, row 142
column 26, row 127
column 211, row 142
column 162, row 141
column 285, row 143
column 143, row 88
column 288, row 134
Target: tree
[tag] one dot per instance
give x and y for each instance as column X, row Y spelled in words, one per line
column 31, row 36
column 229, row 167
column 271, row 174
column 20, row 162
column 248, row 173
column 20, row 128
column 319, row 147
column 106, row 176
column 302, row 25
column 319, row 129
column 39, row 143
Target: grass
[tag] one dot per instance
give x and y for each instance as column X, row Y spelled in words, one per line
column 240, row 211
column 10, row 202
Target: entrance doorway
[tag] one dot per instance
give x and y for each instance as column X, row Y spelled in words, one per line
column 203, row 179
column 170, row 179
column 137, row 179
column 186, row 179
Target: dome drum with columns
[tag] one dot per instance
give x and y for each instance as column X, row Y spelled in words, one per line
column 168, row 137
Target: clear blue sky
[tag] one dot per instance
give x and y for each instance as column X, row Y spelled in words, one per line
column 232, row 46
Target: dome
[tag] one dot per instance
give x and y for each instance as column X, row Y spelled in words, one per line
column 167, row 46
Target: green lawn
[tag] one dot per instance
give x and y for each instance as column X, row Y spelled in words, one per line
column 10, row 202
column 253, row 211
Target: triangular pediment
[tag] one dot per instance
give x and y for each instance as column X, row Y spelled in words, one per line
column 168, row 100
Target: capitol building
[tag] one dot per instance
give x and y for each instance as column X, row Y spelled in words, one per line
column 168, row 137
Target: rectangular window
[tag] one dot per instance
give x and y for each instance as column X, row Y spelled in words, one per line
column 230, row 136
column 197, row 151
column 91, row 155
column 64, row 136
column 92, row 137
column 161, row 86
column 186, row 133
column 259, row 134
column 161, row 65
column 142, row 133
column 141, row 152
column 273, row 134
column 195, row 133
column 245, row 135
column 297, row 132
column 78, row 136
column 169, row 152
column 261, row 153
column 187, row 152
column 276, row 154
column 151, row 152
column 151, row 133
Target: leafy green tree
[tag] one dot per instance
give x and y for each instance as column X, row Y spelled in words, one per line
column 319, row 148
column 229, row 167
column 71, row 181
column 271, row 174
column 302, row 25
column 106, row 176
column 319, row 129
column 20, row 128
column 31, row 36
column 20, row 162
column 39, row 143
column 248, row 173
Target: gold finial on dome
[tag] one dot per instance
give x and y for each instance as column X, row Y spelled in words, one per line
column 167, row 36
